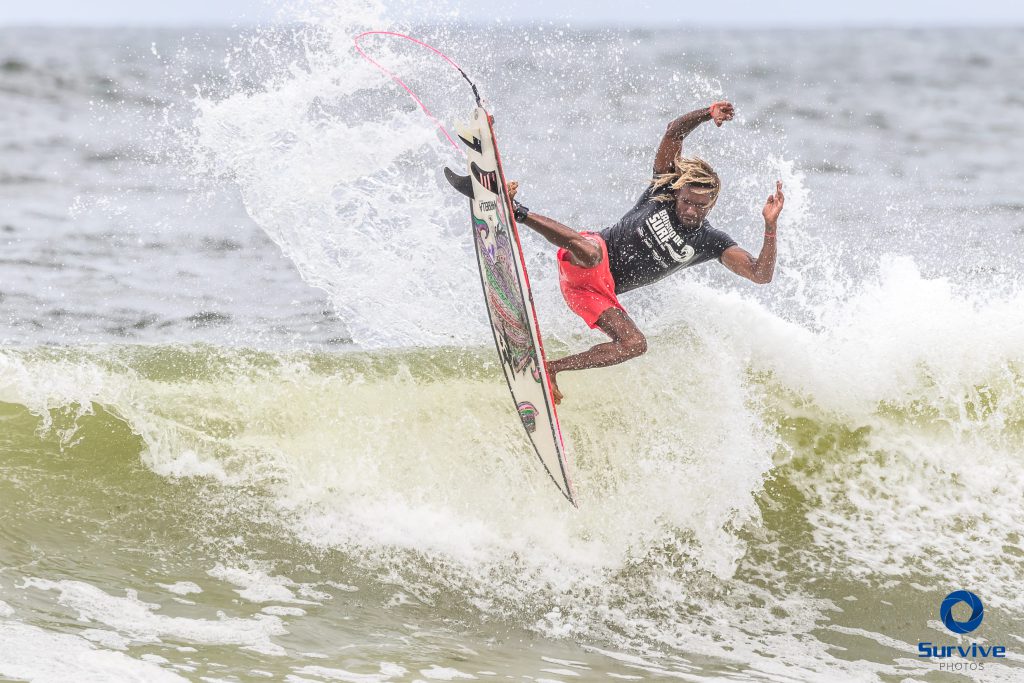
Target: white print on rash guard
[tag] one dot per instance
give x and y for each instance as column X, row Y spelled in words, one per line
column 660, row 226
column 650, row 243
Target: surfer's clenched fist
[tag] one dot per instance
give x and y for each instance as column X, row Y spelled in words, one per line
column 721, row 112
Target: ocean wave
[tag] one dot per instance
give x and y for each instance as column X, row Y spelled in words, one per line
column 788, row 454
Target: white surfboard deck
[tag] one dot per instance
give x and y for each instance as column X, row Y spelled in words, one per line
column 509, row 302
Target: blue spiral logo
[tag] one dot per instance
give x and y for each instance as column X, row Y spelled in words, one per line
column 954, row 598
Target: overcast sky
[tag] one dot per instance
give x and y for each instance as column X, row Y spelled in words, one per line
column 615, row 12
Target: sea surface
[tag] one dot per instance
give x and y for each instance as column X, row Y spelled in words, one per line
column 252, row 426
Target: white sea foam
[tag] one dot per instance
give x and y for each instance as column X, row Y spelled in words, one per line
column 31, row 653
column 112, row 640
column 388, row 672
column 137, row 621
column 282, row 611
column 256, row 585
column 442, row 673
column 182, row 588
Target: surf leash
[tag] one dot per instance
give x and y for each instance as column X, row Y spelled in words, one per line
column 407, row 89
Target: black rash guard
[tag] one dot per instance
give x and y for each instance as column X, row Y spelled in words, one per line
column 649, row 243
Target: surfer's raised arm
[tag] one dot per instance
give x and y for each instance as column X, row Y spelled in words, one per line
column 672, row 142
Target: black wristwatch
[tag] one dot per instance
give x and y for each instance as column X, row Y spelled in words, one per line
column 519, row 211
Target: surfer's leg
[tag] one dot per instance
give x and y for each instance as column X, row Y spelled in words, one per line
column 584, row 252
column 627, row 341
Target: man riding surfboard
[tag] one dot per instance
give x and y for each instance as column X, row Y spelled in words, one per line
column 665, row 231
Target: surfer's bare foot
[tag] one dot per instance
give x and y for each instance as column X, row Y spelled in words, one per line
column 556, row 395
column 513, row 187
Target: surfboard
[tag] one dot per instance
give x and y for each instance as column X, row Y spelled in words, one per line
column 509, row 301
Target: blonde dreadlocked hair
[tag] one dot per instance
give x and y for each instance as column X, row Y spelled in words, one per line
column 692, row 171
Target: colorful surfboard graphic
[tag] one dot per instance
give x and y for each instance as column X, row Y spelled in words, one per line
column 506, row 287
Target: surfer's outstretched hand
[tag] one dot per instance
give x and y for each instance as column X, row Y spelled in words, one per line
column 512, row 187
column 722, row 112
column 773, row 207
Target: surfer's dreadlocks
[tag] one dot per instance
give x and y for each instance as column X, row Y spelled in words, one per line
column 692, row 171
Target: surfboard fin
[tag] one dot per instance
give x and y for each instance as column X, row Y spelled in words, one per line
column 462, row 183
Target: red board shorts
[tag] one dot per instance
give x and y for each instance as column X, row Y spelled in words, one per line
column 589, row 292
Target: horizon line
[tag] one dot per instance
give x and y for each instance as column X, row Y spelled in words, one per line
column 560, row 23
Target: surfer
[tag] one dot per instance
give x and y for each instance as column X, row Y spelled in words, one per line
column 665, row 231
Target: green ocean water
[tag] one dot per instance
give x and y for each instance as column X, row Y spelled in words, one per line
column 177, row 513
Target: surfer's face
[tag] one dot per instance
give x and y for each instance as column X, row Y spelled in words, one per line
column 693, row 205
